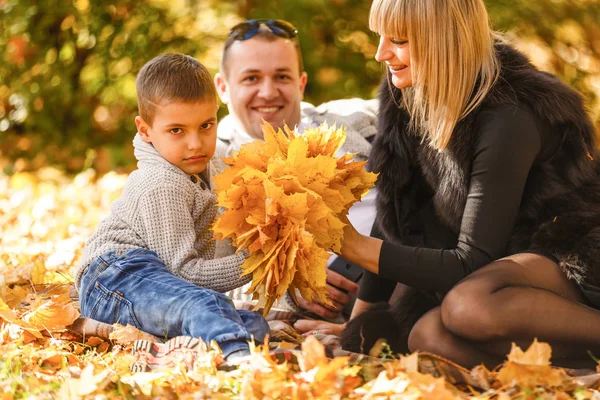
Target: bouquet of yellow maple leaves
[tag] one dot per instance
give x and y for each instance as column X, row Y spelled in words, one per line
column 285, row 201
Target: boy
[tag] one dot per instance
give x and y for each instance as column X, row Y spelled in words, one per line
column 150, row 263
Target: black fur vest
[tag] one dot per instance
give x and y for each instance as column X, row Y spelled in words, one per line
column 560, row 208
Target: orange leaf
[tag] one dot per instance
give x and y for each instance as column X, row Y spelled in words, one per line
column 537, row 354
column 313, row 353
column 52, row 315
column 128, row 334
column 531, row 368
column 6, row 313
column 284, row 202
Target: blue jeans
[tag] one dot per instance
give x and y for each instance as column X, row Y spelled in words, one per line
column 136, row 288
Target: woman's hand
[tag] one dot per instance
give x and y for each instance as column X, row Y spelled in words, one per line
column 359, row 249
column 313, row 327
column 351, row 238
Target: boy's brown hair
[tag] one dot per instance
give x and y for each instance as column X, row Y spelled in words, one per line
column 172, row 77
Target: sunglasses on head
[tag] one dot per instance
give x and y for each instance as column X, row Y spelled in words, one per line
column 248, row 29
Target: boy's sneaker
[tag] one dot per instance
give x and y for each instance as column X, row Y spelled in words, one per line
column 176, row 351
column 235, row 359
column 242, row 353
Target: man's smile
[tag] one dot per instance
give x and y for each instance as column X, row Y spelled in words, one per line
column 267, row 109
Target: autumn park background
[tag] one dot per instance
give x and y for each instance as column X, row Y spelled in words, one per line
column 67, row 70
column 67, row 104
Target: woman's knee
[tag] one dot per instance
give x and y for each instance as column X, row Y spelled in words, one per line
column 477, row 307
column 427, row 332
column 468, row 311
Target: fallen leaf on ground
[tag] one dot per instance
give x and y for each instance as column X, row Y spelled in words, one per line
column 531, row 368
column 128, row 334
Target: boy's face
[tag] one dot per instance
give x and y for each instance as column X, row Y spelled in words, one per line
column 185, row 134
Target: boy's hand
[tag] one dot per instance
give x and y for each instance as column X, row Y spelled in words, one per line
column 338, row 288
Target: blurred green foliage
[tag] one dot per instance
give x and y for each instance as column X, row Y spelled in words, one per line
column 67, row 73
column 561, row 36
column 67, row 68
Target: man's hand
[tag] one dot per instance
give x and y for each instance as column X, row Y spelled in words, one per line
column 338, row 297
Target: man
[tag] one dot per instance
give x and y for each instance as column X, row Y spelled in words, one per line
column 262, row 78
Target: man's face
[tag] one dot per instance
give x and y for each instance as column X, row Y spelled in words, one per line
column 263, row 82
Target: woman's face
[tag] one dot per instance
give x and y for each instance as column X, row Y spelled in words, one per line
column 395, row 53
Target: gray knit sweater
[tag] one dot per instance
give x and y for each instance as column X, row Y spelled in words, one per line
column 169, row 212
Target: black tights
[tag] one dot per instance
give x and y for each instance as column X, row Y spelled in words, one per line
column 515, row 299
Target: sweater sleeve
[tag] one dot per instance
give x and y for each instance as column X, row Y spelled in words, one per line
column 167, row 225
column 357, row 115
column 507, row 146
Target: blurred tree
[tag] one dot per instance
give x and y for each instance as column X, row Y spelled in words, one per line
column 561, row 36
column 67, row 71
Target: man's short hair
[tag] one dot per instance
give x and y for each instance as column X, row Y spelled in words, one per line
column 172, row 77
column 263, row 34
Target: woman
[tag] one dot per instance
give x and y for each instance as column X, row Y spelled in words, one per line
column 488, row 196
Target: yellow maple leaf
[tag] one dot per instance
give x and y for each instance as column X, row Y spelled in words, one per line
column 88, row 383
column 55, row 359
column 327, row 377
column 15, row 295
column 538, row 353
column 285, row 201
column 53, row 314
column 313, row 354
column 531, row 368
column 324, row 140
column 122, row 334
column 6, row 313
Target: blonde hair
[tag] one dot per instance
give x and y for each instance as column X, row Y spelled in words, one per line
column 453, row 62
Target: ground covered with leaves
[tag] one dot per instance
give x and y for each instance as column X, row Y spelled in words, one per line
column 45, row 219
